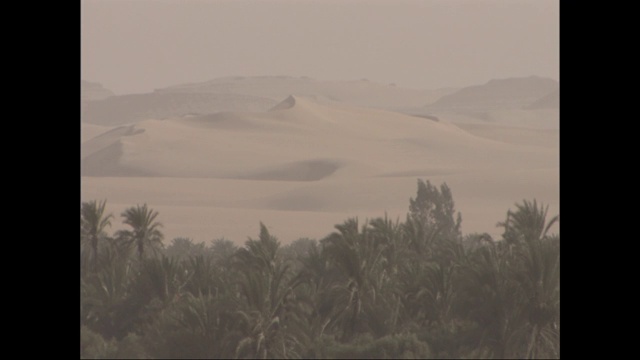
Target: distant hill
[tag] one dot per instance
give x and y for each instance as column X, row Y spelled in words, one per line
column 497, row 94
column 298, row 140
column 304, row 166
column 357, row 92
column 90, row 91
column 124, row 109
column 550, row 101
column 259, row 93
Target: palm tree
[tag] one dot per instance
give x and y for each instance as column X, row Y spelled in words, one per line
column 196, row 327
column 163, row 277
column 267, row 301
column 102, row 294
column 527, row 223
column 511, row 288
column 387, row 235
column 359, row 257
column 93, row 223
column 489, row 297
column 537, row 272
column 145, row 233
column 267, row 291
column 315, row 301
column 539, row 281
column 203, row 276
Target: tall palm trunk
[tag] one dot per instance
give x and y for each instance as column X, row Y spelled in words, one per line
column 93, row 223
column 140, row 249
column 94, row 246
column 356, row 303
column 532, row 342
column 145, row 232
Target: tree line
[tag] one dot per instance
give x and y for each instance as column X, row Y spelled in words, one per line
column 378, row 288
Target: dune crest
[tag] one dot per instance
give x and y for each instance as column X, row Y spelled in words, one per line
column 311, row 161
column 285, row 104
column 309, row 170
column 286, row 143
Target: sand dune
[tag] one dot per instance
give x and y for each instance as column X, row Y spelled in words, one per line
column 497, row 94
column 516, row 135
column 535, row 118
column 523, row 102
column 89, row 131
column 206, row 208
column 550, row 101
column 91, row 91
column 288, row 140
column 358, row 92
column 125, row 109
column 312, row 170
column 522, row 118
column 304, row 166
column 251, row 94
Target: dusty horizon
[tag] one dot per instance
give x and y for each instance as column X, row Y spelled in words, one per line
column 138, row 46
column 304, row 165
column 266, row 179
column 302, row 113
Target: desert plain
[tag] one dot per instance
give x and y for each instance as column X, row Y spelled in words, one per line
column 301, row 155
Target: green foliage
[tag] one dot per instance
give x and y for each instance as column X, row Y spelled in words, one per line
column 528, row 223
column 432, row 212
column 405, row 346
column 162, row 278
column 94, row 346
column 267, row 289
column 102, row 296
column 93, row 223
column 295, row 251
column 511, row 288
column 145, row 234
column 377, row 289
column 222, row 251
column 182, row 248
column 197, row 327
column 131, row 347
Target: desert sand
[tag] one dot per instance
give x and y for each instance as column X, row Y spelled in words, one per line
column 306, row 165
column 237, row 93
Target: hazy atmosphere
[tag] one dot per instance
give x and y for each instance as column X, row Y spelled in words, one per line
column 138, row 46
column 320, row 179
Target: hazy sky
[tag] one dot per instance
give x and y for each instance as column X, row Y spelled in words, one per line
column 137, row 46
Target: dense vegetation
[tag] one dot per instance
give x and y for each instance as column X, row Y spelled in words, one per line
column 378, row 289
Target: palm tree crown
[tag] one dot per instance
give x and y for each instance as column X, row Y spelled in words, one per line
column 528, row 222
column 93, row 223
column 145, row 233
